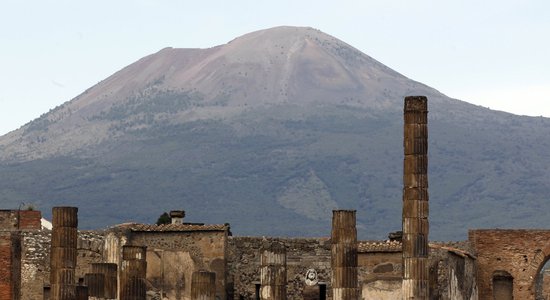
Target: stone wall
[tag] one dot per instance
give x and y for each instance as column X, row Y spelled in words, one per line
column 452, row 268
column 452, row 273
column 35, row 264
column 517, row 255
column 302, row 254
column 14, row 226
column 35, row 259
column 380, row 274
column 15, row 220
column 172, row 257
column 89, row 250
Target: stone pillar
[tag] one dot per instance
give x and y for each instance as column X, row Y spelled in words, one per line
column 96, row 285
column 63, row 253
column 10, row 265
column 133, row 273
column 109, row 271
column 82, row 292
column 203, row 285
column 273, row 272
column 415, row 199
column 344, row 256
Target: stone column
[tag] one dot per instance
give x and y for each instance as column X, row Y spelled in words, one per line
column 96, row 285
column 133, row 273
column 109, row 271
column 10, row 265
column 344, row 256
column 273, row 272
column 203, row 285
column 82, row 292
column 63, row 253
column 415, row 199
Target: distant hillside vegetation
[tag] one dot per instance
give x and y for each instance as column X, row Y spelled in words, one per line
column 269, row 133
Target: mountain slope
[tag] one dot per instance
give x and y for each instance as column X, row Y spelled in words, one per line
column 269, row 133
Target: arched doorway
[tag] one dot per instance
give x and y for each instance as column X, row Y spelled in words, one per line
column 503, row 286
column 542, row 282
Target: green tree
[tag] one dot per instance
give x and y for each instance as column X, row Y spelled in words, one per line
column 164, row 219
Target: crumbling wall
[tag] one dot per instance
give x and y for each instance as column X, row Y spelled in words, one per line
column 18, row 220
column 35, row 264
column 89, row 250
column 172, row 257
column 380, row 271
column 35, row 259
column 452, row 268
column 301, row 255
column 452, row 273
column 519, row 253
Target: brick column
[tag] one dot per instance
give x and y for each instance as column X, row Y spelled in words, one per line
column 10, row 265
column 203, row 285
column 344, row 255
column 63, row 253
column 273, row 272
column 415, row 199
column 109, row 271
column 133, row 273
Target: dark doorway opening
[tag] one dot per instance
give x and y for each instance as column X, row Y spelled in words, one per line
column 503, row 286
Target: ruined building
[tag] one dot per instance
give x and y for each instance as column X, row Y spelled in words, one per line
column 200, row 261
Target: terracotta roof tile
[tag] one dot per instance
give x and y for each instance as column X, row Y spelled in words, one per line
column 395, row 246
column 177, row 227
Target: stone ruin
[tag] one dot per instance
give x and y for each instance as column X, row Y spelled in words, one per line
column 197, row 261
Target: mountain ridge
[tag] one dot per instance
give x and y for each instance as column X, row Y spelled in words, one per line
column 244, row 132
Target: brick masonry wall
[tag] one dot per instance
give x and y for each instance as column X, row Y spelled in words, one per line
column 6, row 282
column 30, row 220
column 10, row 264
column 521, row 253
column 14, row 220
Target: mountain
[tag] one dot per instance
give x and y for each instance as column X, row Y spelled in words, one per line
column 269, row 133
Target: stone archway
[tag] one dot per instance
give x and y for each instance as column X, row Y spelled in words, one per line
column 520, row 252
column 539, row 260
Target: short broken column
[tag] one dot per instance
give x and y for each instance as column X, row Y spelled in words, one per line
column 203, row 285
column 273, row 271
column 63, row 253
column 344, row 255
column 415, row 199
column 96, row 285
column 109, row 271
column 133, row 273
column 82, row 292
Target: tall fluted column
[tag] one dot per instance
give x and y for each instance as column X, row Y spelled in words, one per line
column 203, row 285
column 415, row 199
column 133, row 273
column 344, row 256
column 273, row 272
column 63, row 253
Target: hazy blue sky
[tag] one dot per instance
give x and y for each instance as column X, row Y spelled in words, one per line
column 491, row 53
